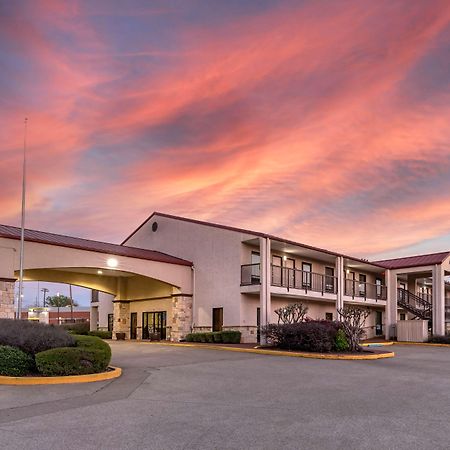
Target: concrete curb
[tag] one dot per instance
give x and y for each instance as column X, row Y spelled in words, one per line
column 70, row 379
column 281, row 353
column 377, row 344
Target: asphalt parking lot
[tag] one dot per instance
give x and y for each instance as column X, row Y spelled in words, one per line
column 187, row 398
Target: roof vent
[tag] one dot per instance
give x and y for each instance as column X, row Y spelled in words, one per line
column 154, row 226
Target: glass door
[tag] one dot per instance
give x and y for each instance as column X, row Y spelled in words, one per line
column 154, row 325
column 133, row 325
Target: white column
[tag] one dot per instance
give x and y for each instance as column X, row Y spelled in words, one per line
column 265, row 276
column 390, row 311
column 340, row 284
column 438, row 300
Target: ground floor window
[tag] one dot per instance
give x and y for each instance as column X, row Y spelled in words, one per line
column 402, row 316
column 110, row 322
column 329, row 316
column 217, row 319
column 154, row 325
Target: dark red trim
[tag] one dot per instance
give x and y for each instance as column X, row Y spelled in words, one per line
column 10, row 280
column 414, row 261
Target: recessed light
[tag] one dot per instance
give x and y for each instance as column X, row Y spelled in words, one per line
column 112, row 262
column 99, row 272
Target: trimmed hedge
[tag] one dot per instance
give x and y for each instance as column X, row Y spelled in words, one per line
column 15, row 362
column 91, row 355
column 33, row 337
column 102, row 334
column 80, row 328
column 440, row 340
column 311, row 336
column 226, row 336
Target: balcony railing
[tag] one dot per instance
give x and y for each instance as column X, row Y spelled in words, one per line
column 290, row 278
column 355, row 288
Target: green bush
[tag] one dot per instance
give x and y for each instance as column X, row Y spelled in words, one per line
column 341, row 342
column 189, row 337
column 91, row 355
column 102, row 334
column 33, row 337
column 217, row 336
column 231, row 337
column 77, row 328
column 440, row 339
column 209, row 337
column 15, row 362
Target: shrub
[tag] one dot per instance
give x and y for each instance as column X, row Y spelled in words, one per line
column 77, row 328
column 440, row 340
column 33, row 337
column 311, row 336
column 15, row 362
column 231, row 337
column 102, row 334
column 341, row 342
column 217, row 336
column 189, row 337
column 91, row 355
column 209, row 337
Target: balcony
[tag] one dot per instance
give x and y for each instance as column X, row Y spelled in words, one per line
column 290, row 279
column 359, row 289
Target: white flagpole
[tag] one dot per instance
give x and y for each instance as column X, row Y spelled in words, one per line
column 22, row 223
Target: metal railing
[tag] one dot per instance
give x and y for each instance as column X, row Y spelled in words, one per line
column 416, row 305
column 360, row 289
column 290, row 278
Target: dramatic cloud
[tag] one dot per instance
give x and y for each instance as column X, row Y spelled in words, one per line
column 324, row 122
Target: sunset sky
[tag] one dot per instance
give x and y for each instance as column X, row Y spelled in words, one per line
column 326, row 122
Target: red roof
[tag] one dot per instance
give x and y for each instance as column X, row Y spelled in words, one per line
column 42, row 237
column 255, row 233
column 413, row 261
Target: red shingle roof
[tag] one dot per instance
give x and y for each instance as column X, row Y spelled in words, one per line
column 413, row 261
column 42, row 237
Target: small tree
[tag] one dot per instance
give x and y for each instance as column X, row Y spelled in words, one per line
column 60, row 301
column 353, row 319
column 292, row 313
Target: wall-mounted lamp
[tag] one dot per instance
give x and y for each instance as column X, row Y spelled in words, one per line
column 99, row 272
column 112, row 262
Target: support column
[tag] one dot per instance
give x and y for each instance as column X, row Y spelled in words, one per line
column 265, row 276
column 7, row 298
column 181, row 317
column 121, row 314
column 438, row 300
column 340, row 284
column 390, row 311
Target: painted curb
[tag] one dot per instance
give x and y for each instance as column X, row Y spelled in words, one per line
column 70, row 379
column 377, row 344
column 423, row 344
column 282, row 353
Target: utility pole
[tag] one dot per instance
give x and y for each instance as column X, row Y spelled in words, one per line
column 22, row 222
column 44, row 290
column 71, row 303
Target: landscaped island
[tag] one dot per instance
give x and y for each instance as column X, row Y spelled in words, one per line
column 36, row 349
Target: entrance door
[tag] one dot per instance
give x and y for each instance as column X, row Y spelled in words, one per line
column 379, row 323
column 329, row 279
column 277, row 276
column 133, row 325
column 289, row 264
column 217, row 319
column 154, row 325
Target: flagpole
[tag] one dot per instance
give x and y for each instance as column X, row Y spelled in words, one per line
column 22, row 222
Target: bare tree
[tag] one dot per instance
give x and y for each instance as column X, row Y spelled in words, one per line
column 292, row 313
column 353, row 319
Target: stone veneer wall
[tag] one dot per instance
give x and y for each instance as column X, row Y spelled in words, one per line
column 181, row 321
column 6, row 299
column 121, row 321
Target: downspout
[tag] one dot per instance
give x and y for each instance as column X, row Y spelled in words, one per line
column 193, row 297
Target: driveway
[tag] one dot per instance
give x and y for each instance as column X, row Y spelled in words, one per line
column 187, row 398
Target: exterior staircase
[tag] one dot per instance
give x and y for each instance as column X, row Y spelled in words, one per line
column 421, row 308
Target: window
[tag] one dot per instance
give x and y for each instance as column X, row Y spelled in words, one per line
column 217, row 319
column 154, row 325
column 329, row 316
column 289, row 276
column 255, row 268
column 362, row 284
column 329, row 280
column 277, row 262
column 402, row 316
column 379, row 288
column 306, row 275
column 110, row 322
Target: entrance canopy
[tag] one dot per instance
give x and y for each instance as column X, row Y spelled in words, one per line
column 129, row 273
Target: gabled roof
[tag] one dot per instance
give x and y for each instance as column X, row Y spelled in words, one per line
column 413, row 261
column 254, row 233
column 7, row 231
